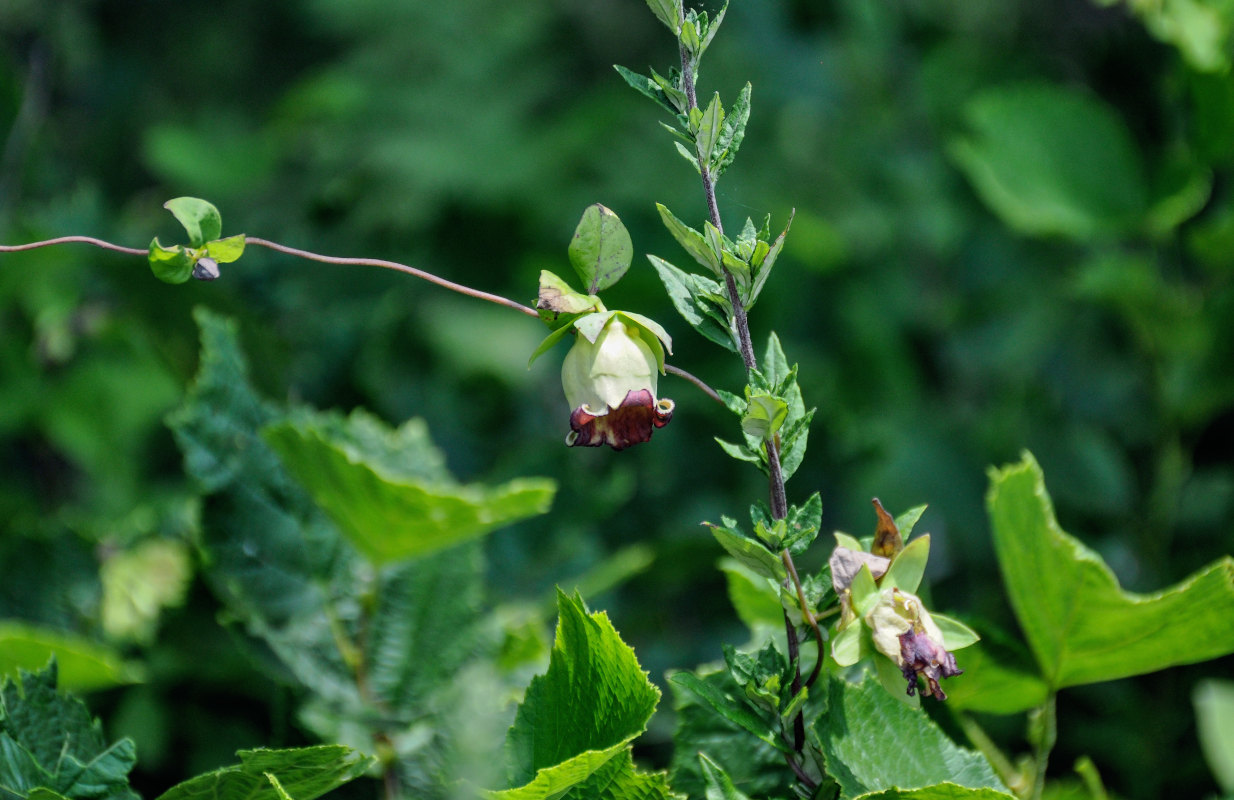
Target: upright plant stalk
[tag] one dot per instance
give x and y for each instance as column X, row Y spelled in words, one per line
column 778, row 496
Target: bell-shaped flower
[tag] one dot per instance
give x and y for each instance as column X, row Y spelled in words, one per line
column 610, row 380
column 903, row 630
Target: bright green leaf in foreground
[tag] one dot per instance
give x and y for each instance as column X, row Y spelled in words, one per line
column 49, row 741
column 201, row 220
column 83, row 665
column 1051, row 160
column 392, row 514
column 1081, row 625
column 581, row 715
column 304, row 773
column 600, row 250
column 873, row 743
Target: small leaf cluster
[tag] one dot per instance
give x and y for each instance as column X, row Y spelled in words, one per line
column 205, row 250
column 771, row 410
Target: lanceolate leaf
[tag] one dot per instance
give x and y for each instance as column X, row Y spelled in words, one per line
column 690, row 303
column 734, row 128
column 1081, row 625
column 691, row 240
column 304, row 773
column 647, row 87
column 729, row 707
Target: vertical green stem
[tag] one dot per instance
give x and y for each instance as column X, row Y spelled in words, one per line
column 1042, row 734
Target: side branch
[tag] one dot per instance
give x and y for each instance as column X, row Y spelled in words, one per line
column 13, row 248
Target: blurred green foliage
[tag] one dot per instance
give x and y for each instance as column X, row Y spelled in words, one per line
column 1014, row 229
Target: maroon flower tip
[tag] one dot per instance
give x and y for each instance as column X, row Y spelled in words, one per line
column 630, row 423
column 927, row 659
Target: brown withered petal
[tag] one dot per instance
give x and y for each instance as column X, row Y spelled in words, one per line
column 630, row 423
column 925, row 658
column 887, row 539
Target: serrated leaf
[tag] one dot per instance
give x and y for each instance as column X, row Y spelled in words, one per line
column 690, row 240
column 804, row 522
column 719, row 784
column 730, row 707
column 48, row 739
column 872, row 743
column 680, row 288
column 749, row 552
column 200, row 219
column 733, row 130
column 646, row 87
column 600, row 250
column 83, row 665
column 390, row 517
column 709, row 130
column 590, row 704
column 226, row 250
column 1081, row 625
column 305, row 773
column 170, row 264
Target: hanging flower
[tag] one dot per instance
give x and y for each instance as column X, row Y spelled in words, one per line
column 610, row 380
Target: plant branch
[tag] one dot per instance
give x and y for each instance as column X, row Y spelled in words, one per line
column 681, row 373
column 14, row 248
column 806, row 614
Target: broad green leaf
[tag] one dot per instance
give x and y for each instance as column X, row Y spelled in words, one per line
column 939, row 791
column 1082, row 627
column 600, row 250
column 956, row 635
column 390, row 516
column 685, row 297
column 200, row 219
column 730, row 707
column 764, row 416
column 1053, row 161
column 305, row 773
column 556, row 299
column 170, row 264
column 872, row 743
column 48, row 739
column 749, row 552
column 754, row 597
column 1214, row 712
column 709, row 131
column 999, row 677
column 719, row 784
column 1202, row 30
column 597, row 775
column 226, row 250
column 585, row 710
column 83, row 665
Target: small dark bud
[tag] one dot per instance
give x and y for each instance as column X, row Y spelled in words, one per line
column 206, row 269
column 924, row 657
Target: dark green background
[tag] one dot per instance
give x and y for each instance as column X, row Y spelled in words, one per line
column 466, row 138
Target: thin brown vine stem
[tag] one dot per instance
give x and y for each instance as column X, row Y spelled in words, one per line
column 800, row 773
column 14, row 248
column 707, row 390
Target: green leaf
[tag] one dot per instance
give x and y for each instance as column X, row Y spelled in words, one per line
column 600, row 250
column 556, row 299
column 730, row 708
column 1214, row 712
column 83, row 665
column 226, row 250
column 550, row 341
column 1202, row 30
column 804, row 522
column 764, row 416
column 689, row 304
column 754, row 597
column 998, row 678
column 719, row 784
column 388, row 515
column 939, row 791
column 709, row 131
column 49, row 740
column 200, row 219
column 667, row 11
column 585, row 710
column 1082, row 627
column 733, row 130
column 872, row 743
column 691, row 240
column 305, row 773
column 763, row 259
column 1053, row 161
column 170, row 264
column 749, row 552
column 647, row 87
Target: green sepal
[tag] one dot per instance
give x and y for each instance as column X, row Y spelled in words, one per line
column 550, row 340
column 589, row 326
column 226, row 250
column 908, row 520
column 908, row 566
column 600, row 250
column 201, row 220
column 171, row 264
column 956, row 635
column 865, row 591
column 848, row 646
column 559, row 305
column 652, row 333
